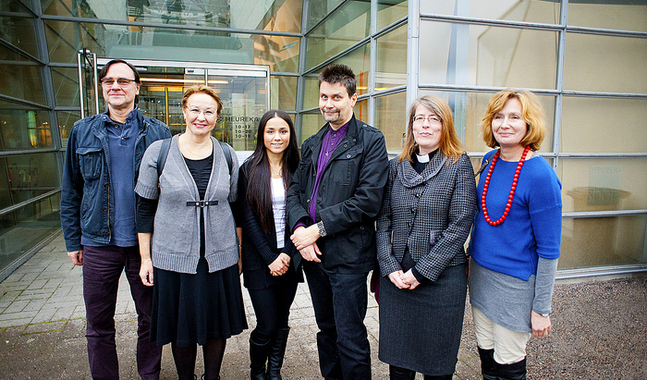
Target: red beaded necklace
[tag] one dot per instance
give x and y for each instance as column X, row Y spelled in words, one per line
column 512, row 189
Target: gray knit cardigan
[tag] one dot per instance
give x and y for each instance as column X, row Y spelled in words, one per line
column 176, row 236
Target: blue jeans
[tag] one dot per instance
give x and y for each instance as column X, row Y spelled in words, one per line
column 340, row 302
column 102, row 267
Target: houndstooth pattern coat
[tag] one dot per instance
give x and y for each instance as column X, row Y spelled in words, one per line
column 431, row 213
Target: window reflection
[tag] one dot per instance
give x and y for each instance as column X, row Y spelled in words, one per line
column 359, row 61
column 346, row 27
column 487, row 56
column 65, row 39
column 320, row 9
column 23, row 129
column 390, row 11
column 27, row 176
column 624, row 15
column 599, row 184
column 19, row 32
column 588, row 125
column 276, row 15
column 22, row 229
column 20, row 78
column 604, row 63
column 66, row 86
column 310, row 124
column 66, row 120
column 361, row 111
column 311, row 91
column 14, row 6
column 542, row 11
column 281, row 53
column 283, row 92
column 391, row 59
column 588, row 242
column 391, row 119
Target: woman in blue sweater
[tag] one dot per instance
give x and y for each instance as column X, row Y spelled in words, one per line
column 269, row 258
column 516, row 237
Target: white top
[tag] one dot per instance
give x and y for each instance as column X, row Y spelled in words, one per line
column 278, row 208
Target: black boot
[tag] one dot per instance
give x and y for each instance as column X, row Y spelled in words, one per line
column 439, row 377
column 277, row 353
column 488, row 365
column 258, row 356
column 514, row 371
column 398, row 373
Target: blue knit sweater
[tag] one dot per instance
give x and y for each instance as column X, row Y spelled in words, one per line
column 533, row 226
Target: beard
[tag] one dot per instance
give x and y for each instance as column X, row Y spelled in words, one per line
column 331, row 117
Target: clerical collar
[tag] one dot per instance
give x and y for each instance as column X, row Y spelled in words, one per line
column 423, row 159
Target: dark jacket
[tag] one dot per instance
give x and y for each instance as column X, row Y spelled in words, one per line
column 259, row 247
column 429, row 213
column 87, row 204
column 348, row 199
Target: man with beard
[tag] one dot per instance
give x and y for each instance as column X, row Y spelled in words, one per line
column 332, row 204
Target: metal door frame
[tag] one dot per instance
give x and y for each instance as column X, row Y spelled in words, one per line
column 223, row 69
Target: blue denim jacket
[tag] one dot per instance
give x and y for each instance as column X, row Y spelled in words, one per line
column 87, row 204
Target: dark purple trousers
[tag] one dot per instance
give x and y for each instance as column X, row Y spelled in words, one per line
column 102, row 267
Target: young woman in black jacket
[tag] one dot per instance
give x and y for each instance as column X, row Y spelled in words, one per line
column 269, row 258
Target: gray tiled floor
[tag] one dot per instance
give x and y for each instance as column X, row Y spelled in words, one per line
column 599, row 330
column 42, row 328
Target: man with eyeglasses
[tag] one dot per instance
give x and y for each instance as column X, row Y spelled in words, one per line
column 98, row 216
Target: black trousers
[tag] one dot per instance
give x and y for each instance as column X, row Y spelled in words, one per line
column 272, row 308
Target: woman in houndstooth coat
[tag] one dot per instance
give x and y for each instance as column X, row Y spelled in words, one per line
column 426, row 216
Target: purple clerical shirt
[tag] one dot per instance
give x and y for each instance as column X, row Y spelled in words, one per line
column 330, row 143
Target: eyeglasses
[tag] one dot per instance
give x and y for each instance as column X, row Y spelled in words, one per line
column 207, row 113
column 122, row 82
column 431, row 119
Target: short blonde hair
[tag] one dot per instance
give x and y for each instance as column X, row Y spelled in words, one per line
column 531, row 112
column 449, row 144
column 202, row 89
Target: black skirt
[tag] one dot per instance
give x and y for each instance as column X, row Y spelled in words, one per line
column 420, row 329
column 194, row 308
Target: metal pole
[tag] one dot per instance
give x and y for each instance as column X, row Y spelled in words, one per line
column 79, row 63
column 559, row 99
column 413, row 50
column 372, row 77
column 166, row 106
column 96, row 83
column 298, row 120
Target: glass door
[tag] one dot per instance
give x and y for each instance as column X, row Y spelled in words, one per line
column 245, row 97
column 243, row 89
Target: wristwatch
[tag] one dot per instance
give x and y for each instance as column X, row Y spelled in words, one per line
column 322, row 229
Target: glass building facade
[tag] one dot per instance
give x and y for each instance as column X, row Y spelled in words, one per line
column 584, row 58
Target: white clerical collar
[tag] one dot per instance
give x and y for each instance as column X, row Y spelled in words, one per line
column 423, row 159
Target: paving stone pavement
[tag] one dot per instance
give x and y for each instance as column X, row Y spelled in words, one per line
column 42, row 327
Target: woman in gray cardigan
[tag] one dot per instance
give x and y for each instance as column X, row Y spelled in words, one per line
column 187, row 239
column 426, row 216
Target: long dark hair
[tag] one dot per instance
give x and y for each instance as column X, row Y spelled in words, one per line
column 257, row 170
